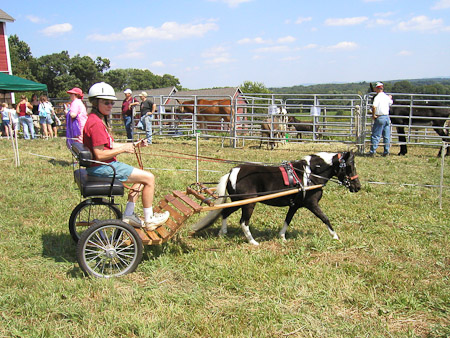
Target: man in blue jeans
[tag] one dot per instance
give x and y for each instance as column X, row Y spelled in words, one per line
column 148, row 108
column 127, row 113
column 381, row 121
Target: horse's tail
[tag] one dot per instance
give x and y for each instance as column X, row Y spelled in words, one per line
column 213, row 215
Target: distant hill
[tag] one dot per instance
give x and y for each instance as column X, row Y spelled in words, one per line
column 439, row 86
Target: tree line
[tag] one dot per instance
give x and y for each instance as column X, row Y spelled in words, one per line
column 61, row 72
column 439, row 86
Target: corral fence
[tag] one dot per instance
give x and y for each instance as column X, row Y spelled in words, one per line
column 280, row 118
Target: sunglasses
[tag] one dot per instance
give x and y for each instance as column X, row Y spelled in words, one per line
column 107, row 103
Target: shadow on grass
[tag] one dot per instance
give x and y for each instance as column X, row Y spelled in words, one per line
column 60, row 247
column 60, row 163
column 258, row 234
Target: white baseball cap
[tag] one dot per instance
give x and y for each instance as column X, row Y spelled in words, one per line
column 379, row 84
column 128, row 91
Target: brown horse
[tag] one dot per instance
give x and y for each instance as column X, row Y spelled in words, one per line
column 272, row 131
column 208, row 111
column 300, row 126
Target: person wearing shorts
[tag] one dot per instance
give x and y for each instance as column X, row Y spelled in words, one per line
column 6, row 119
column 97, row 138
column 45, row 110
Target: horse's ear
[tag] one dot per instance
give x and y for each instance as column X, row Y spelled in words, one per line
column 347, row 155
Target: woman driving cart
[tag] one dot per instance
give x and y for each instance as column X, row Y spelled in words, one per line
column 97, row 138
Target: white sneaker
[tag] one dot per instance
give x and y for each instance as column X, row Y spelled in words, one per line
column 133, row 220
column 157, row 220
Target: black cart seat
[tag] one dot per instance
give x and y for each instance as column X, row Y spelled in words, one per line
column 93, row 185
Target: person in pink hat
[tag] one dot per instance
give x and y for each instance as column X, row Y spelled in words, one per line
column 76, row 116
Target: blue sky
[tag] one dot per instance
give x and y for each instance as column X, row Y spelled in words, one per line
column 216, row 43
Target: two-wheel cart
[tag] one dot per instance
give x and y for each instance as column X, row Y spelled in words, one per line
column 109, row 247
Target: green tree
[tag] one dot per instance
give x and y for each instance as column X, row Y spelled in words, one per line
column 254, row 87
column 136, row 79
column 50, row 67
column 86, row 70
column 21, row 58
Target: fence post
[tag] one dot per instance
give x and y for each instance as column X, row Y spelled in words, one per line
column 441, row 184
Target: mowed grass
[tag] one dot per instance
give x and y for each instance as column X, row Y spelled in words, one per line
column 388, row 276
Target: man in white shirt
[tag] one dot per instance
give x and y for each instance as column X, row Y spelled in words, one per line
column 381, row 121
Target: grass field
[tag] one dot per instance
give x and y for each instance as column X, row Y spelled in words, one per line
column 388, row 276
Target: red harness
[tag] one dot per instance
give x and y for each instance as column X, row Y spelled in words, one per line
column 290, row 177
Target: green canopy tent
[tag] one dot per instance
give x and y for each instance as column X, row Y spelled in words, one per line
column 11, row 83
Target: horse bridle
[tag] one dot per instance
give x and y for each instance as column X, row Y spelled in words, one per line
column 346, row 181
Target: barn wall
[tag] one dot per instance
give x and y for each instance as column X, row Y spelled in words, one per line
column 4, row 64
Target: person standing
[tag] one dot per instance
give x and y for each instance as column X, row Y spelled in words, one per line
column 127, row 112
column 46, row 110
column 6, row 119
column 148, row 108
column 24, row 110
column 381, row 122
column 98, row 139
column 76, row 117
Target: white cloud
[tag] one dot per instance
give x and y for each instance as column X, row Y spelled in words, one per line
column 257, row 40
column 384, row 15
column 57, row 29
column 422, row 24
column 344, row 45
column 311, row 46
column 273, row 49
column 35, row 19
column 231, row 3
column 404, row 53
column 217, row 55
column 301, row 20
column 286, row 39
column 167, row 31
column 380, row 22
column 346, row 21
column 441, row 4
column 157, row 64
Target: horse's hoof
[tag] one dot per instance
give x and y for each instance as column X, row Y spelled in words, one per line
column 401, row 154
column 222, row 233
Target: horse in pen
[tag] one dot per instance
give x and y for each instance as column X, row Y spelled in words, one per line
column 422, row 112
column 427, row 113
column 213, row 111
column 252, row 180
column 299, row 126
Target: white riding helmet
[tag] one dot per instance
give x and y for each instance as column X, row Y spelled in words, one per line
column 102, row 90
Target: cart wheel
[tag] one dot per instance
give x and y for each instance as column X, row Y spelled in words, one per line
column 88, row 212
column 109, row 248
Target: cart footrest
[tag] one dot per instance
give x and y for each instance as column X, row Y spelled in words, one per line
column 180, row 206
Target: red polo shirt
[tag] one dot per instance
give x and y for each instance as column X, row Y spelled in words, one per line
column 95, row 134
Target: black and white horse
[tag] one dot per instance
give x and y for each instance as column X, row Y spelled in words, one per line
column 249, row 180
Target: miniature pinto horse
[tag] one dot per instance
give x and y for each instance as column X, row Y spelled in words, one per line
column 251, row 180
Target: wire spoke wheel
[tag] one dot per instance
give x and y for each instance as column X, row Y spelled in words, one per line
column 109, row 248
column 89, row 212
